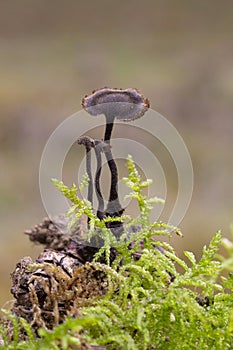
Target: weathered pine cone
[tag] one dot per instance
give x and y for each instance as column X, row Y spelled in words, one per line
column 62, row 279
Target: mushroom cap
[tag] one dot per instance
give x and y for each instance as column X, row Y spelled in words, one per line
column 87, row 141
column 125, row 105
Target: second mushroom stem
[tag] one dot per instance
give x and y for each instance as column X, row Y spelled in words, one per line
column 90, row 180
column 88, row 143
column 99, row 147
column 98, row 150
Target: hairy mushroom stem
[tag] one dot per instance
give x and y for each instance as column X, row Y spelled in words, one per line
column 109, row 127
column 113, row 207
column 99, row 147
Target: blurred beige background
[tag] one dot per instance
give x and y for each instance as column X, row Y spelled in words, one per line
column 178, row 53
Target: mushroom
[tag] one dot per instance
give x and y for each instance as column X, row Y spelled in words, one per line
column 125, row 105
column 100, row 146
column 88, row 143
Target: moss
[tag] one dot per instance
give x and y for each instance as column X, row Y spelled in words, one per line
column 135, row 293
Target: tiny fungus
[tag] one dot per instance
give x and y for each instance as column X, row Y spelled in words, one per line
column 125, row 105
column 89, row 144
column 100, row 146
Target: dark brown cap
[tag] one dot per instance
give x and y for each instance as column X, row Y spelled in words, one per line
column 86, row 141
column 125, row 105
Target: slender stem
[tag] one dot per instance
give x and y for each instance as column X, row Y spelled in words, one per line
column 90, row 179
column 88, row 143
column 109, row 127
column 113, row 207
column 100, row 210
